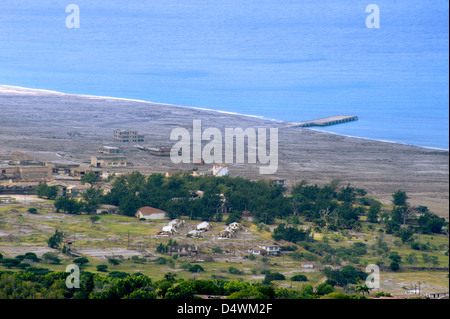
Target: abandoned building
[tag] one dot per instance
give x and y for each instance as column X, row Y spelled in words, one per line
column 230, row 231
column 109, row 161
column 177, row 223
column 79, row 172
column 107, row 209
column 127, row 136
column 32, row 173
column 203, row 226
column 183, row 250
column 109, row 150
column 194, row 234
column 159, row 151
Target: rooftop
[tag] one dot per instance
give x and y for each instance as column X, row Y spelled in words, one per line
column 147, row 210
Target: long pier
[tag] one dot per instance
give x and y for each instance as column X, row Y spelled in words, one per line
column 332, row 120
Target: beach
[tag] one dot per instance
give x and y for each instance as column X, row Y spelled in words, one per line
column 41, row 123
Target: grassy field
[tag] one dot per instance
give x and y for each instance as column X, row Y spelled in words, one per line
column 21, row 232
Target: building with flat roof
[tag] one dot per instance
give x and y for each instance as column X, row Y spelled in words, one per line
column 128, row 136
column 109, row 161
column 109, row 150
column 159, row 151
column 26, row 173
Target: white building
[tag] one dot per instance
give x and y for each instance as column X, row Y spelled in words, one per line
column 150, row 213
column 271, row 249
column 265, row 250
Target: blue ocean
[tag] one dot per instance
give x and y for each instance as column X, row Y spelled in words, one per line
column 288, row 60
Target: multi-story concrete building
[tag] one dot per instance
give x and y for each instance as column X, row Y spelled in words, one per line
column 127, row 136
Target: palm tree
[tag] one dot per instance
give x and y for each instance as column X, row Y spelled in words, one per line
column 363, row 289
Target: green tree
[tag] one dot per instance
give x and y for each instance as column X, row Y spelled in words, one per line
column 92, row 198
column 89, row 178
column 32, row 210
column 184, row 290
column 347, row 212
column 299, row 278
column 347, row 194
column 68, row 205
column 81, row 261
column 103, row 268
column 94, row 219
column 324, row 289
column 51, row 257
column 364, row 289
column 394, row 266
column 394, row 256
column 430, row 223
column 113, row 261
column 399, row 198
column 406, row 234
column 45, row 191
column 196, row 268
column 374, row 211
column 56, row 239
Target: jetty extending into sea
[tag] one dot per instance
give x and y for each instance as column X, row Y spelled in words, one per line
column 332, row 120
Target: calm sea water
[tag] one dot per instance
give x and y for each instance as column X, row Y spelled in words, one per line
column 286, row 60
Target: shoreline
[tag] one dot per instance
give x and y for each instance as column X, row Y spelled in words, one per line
column 275, row 121
column 41, row 123
column 137, row 100
column 373, row 139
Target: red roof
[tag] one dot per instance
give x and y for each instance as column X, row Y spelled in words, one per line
column 147, row 210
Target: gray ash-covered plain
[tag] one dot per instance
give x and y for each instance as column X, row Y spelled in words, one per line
column 52, row 126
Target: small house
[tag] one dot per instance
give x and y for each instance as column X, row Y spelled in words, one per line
column 183, row 250
column 107, row 209
column 437, row 295
column 257, row 251
column 148, row 212
column 271, row 249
